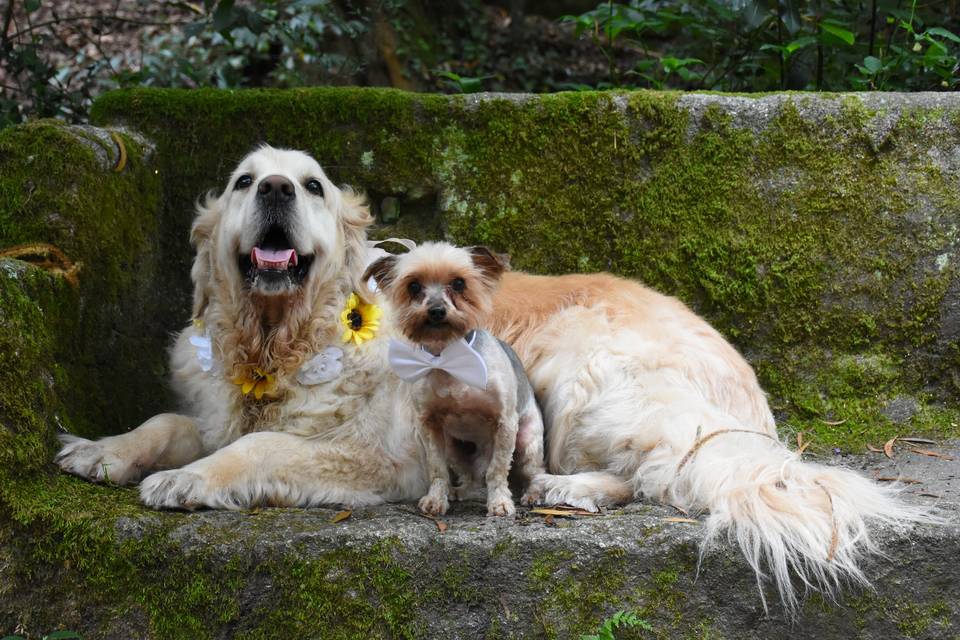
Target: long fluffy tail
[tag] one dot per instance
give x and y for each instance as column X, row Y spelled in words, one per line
column 789, row 517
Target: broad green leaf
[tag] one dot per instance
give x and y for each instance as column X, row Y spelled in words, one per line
column 872, row 64
column 471, row 85
column 837, row 32
column 30, row 5
column 223, row 16
column 943, row 33
column 799, row 43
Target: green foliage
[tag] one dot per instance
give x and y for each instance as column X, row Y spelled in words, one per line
column 620, row 619
column 766, row 45
column 463, row 84
column 269, row 43
column 280, row 43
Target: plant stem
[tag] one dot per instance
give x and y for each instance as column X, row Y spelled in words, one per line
column 873, row 24
column 783, row 62
column 610, row 64
column 7, row 19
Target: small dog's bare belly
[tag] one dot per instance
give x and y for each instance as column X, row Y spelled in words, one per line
column 465, row 416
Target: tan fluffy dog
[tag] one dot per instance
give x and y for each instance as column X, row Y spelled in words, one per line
column 640, row 396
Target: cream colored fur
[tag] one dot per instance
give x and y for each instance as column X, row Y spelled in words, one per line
column 633, row 384
column 630, row 382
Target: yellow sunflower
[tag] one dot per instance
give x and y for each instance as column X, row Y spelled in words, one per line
column 258, row 381
column 360, row 321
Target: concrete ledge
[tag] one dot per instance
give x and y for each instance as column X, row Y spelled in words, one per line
column 387, row 572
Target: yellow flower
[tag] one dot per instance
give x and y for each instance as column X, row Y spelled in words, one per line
column 360, row 321
column 258, row 381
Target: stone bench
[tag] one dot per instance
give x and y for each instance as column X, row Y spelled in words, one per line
column 818, row 232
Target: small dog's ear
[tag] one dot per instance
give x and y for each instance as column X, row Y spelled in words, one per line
column 381, row 271
column 491, row 264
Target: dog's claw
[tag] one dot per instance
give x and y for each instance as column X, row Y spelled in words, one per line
column 500, row 507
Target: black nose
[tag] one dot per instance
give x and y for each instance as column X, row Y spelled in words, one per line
column 277, row 188
column 436, row 314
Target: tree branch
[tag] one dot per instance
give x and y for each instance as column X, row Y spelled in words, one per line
column 98, row 17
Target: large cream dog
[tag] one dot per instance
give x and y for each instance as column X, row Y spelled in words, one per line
column 640, row 396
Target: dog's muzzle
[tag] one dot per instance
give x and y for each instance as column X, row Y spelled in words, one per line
column 273, row 266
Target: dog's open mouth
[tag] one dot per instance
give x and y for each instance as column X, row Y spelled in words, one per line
column 273, row 265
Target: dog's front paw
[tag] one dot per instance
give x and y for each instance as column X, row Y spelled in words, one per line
column 174, row 489
column 533, row 495
column 500, row 505
column 551, row 489
column 433, row 504
column 100, row 461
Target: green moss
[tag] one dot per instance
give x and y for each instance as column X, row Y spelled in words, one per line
column 28, row 403
column 912, row 619
column 325, row 595
column 57, row 187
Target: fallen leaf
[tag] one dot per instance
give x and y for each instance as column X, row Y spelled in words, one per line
column 503, row 601
column 549, row 521
column 932, row 454
column 441, row 525
column 680, row 509
column 833, row 423
column 888, row 447
column 929, row 495
column 802, row 444
column 340, row 517
column 913, row 440
column 874, row 449
column 563, row 513
column 899, row 479
column 688, row 520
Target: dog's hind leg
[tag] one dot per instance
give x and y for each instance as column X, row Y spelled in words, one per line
column 284, row 470
column 165, row 441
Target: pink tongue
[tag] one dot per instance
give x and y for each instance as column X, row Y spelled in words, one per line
column 273, row 259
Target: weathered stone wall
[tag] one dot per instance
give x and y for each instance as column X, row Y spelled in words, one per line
column 819, row 233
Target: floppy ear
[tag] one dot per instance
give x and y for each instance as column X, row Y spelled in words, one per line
column 354, row 216
column 381, row 270
column 491, row 264
column 201, row 237
column 354, row 209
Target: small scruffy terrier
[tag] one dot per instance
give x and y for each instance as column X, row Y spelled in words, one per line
column 476, row 406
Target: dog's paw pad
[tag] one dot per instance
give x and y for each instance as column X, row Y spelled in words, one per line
column 433, row 505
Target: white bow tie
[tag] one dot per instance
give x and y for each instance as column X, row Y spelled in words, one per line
column 459, row 359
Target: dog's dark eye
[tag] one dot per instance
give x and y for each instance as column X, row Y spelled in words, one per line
column 243, row 182
column 414, row 288
column 458, row 284
column 314, row 187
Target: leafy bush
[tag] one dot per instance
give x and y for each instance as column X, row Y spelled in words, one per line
column 766, row 45
column 217, row 43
